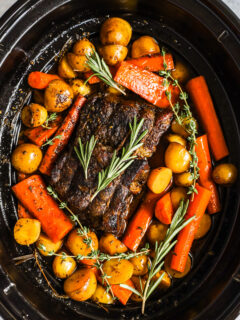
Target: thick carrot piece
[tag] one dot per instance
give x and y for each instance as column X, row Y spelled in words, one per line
column 185, row 238
column 122, row 294
column 200, row 95
column 153, row 63
column 205, row 173
column 40, row 80
column 33, row 195
column 164, row 209
column 64, row 131
column 93, row 79
column 22, row 212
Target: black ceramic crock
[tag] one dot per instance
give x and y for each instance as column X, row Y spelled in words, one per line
column 204, row 33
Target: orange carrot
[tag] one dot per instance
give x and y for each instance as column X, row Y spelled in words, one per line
column 122, row 294
column 40, row 80
column 153, row 63
column 93, row 79
column 22, row 212
column 199, row 93
column 185, row 238
column 64, row 132
column 40, row 135
column 164, row 209
column 33, row 195
column 205, row 173
column 146, row 84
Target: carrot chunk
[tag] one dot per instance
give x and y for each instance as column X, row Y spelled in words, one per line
column 40, row 80
column 164, row 209
column 153, row 63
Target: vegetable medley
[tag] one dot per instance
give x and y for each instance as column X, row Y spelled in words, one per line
column 181, row 196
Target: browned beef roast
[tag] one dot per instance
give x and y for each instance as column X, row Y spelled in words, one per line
column 107, row 118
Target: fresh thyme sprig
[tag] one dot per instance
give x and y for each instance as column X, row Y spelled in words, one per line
column 84, row 153
column 52, row 117
column 184, row 117
column 119, row 164
column 161, row 250
column 50, row 141
column 101, row 70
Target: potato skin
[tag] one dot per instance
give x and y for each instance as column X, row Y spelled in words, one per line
column 49, row 245
column 78, row 87
column 63, row 267
column 143, row 46
column 65, row 70
column 182, row 129
column 115, row 31
column 176, row 138
column 58, row 96
column 184, row 179
column 26, row 158
column 81, row 285
column 83, row 47
column 139, row 284
column 156, row 232
column 180, row 72
column 102, row 296
column 33, row 115
column 140, row 265
column 110, row 244
column 119, row 271
column 204, row 226
column 75, row 243
column 177, row 158
column 26, row 231
column 78, row 63
column 165, row 282
column 177, row 194
column 225, row 174
column 113, row 53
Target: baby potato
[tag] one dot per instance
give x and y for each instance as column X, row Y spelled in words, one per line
column 45, row 245
column 204, row 226
column 111, row 245
column 115, row 31
column 81, row 285
column 34, row 115
column 182, row 130
column 225, row 174
column 140, row 265
column 180, row 72
column 78, row 87
column 77, row 245
column 83, row 47
column 78, row 63
column 119, row 271
column 65, row 70
column 102, row 296
column 63, row 266
column 176, row 138
column 177, row 158
column 143, row 46
column 184, row 179
column 177, row 194
column 159, row 179
column 139, row 284
column 156, row 232
column 113, row 53
column 58, row 96
column 174, row 273
column 26, row 158
column 165, row 282
column 26, row 231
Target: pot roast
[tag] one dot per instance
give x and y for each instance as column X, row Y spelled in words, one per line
column 107, row 117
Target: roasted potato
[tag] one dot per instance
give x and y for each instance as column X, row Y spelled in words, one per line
column 63, row 266
column 177, row 194
column 180, row 72
column 46, row 245
column 81, row 285
column 58, row 96
column 182, row 130
column 174, row 273
column 26, row 158
column 102, row 296
column 139, row 284
column 140, row 265
column 204, row 226
column 65, row 70
column 33, row 115
column 165, row 282
column 76, row 243
column 114, row 91
column 115, row 31
column 118, row 271
column 156, row 232
column 184, row 179
column 159, row 179
column 143, row 46
column 83, row 47
column 27, row 231
column 177, row 158
column 78, row 87
column 113, row 53
column 225, row 174
column 78, row 63
column 110, row 244
column 176, row 138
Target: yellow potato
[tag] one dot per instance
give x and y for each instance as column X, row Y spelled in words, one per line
column 65, row 70
column 177, row 194
column 204, row 226
column 115, row 31
column 63, row 266
column 115, row 91
column 111, row 245
column 139, row 284
column 81, row 285
column 113, row 53
column 177, row 158
column 27, row 231
column 140, row 265
column 143, row 46
column 58, row 96
column 183, row 130
column 34, row 115
column 118, row 271
column 26, row 158
column 83, row 47
column 102, row 296
column 225, row 174
column 78, row 87
column 77, row 245
column 78, row 63
column 184, row 179
column 46, row 245
column 165, row 282
column 181, row 72
column 159, row 179
column 156, row 232
column 174, row 273
column 176, row 138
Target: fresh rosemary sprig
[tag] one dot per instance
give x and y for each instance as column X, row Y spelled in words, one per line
column 161, row 250
column 52, row 117
column 119, row 164
column 183, row 113
column 50, row 141
column 101, row 70
column 84, row 153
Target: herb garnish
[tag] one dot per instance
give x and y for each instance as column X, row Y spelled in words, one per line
column 50, row 141
column 52, row 117
column 84, row 153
